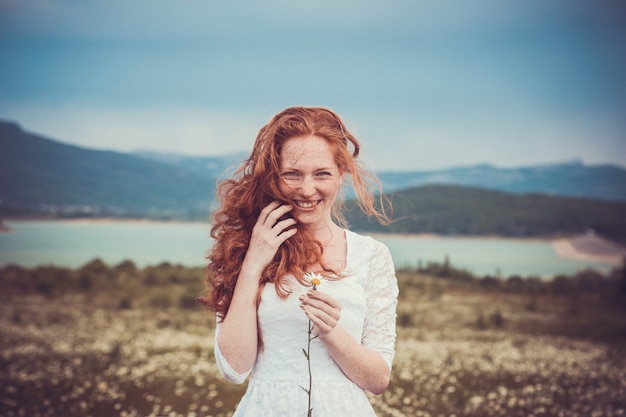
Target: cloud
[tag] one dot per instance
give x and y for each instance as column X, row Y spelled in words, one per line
column 126, row 75
column 505, row 140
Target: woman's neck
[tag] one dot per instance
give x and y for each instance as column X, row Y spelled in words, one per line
column 326, row 233
column 333, row 240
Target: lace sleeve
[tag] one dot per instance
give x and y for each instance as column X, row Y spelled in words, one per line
column 224, row 367
column 379, row 332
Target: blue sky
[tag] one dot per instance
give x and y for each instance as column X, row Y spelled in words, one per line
column 424, row 84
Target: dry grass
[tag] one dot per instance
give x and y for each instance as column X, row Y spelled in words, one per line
column 130, row 344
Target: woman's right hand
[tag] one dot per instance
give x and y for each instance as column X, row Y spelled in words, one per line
column 268, row 234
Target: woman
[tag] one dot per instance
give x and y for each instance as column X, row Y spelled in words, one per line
column 279, row 221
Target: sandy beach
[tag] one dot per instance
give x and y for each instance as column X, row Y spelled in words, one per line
column 589, row 247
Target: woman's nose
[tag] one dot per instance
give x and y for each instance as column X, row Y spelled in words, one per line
column 307, row 188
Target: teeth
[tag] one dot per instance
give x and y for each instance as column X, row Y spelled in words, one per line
column 304, row 204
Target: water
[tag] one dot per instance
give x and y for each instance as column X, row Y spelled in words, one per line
column 73, row 244
column 487, row 256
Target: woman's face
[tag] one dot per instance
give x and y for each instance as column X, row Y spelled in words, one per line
column 310, row 178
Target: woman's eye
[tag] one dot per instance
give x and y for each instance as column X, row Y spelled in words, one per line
column 290, row 175
column 324, row 174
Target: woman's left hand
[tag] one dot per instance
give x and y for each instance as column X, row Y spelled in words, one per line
column 322, row 309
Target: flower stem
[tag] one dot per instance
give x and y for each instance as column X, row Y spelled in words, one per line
column 308, row 358
column 308, row 349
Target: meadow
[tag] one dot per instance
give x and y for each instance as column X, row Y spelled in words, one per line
column 106, row 341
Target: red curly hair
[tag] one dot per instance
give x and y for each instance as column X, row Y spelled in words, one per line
column 255, row 184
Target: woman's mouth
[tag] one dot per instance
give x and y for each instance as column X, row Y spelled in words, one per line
column 307, row 204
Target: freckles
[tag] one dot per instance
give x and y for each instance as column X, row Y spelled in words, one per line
column 287, row 187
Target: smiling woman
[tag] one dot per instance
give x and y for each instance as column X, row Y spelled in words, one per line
column 280, row 221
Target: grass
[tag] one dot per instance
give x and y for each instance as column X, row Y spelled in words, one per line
column 117, row 341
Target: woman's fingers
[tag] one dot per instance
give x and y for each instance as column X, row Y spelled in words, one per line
column 322, row 324
column 321, row 299
column 268, row 223
column 322, row 309
column 272, row 212
column 270, row 232
column 286, row 234
column 330, row 318
column 282, row 225
column 267, row 210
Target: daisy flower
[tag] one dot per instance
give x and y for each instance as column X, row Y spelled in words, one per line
column 315, row 279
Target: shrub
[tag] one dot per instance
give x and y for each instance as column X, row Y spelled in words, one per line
column 125, row 303
column 162, row 299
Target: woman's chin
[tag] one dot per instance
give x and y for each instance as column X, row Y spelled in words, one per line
column 307, row 219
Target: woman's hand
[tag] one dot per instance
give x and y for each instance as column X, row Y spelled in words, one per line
column 322, row 309
column 364, row 367
column 269, row 233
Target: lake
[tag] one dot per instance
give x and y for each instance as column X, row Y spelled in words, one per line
column 73, row 243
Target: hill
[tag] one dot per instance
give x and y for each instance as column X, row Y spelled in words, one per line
column 456, row 210
column 43, row 176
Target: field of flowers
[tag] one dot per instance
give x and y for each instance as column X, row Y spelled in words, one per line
column 117, row 341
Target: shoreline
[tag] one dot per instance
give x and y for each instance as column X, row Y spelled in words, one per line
column 102, row 220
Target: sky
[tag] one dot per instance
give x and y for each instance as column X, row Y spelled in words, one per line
column 423, row 84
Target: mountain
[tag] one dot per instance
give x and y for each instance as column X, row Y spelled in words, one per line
column 605, row 182
column 461, row 210
column 40, row 175
column 207, row 166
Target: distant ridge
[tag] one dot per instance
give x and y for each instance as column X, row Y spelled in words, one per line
column 39, row 175
column 572, row 178
column 207, row 166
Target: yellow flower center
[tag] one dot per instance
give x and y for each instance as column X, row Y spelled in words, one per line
column 316, row 281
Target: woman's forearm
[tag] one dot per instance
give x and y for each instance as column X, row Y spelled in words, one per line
column 237, row 337
column 363, row 366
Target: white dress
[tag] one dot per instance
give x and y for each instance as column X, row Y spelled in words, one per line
column 368, row 295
